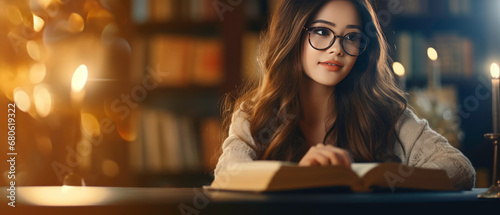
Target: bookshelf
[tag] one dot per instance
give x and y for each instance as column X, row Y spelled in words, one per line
column 450, row 26
column 201, row 57
column 464, row 35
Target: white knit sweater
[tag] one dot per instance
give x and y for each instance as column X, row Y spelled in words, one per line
column 423, row 146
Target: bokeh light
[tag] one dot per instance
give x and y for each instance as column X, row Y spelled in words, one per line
column 432, row 54
column 79, row 78
column 90, row 124
column 33, row 50
column 75, row 23
column 22, row 100
column 398, row 68
column 110, row 168
column 38, row 23
column 37, row 73
column 43, row 100
column 14, row 15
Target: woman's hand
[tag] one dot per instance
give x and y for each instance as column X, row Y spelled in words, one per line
column 325, row 155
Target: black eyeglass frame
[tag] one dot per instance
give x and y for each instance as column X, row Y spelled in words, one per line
column 331, row 42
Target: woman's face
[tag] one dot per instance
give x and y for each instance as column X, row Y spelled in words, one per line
column 330, row 66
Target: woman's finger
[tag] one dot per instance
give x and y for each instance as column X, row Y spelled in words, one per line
column 339, row 156
column 335, row 157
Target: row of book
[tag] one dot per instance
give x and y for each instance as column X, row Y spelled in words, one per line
column 187, row 61
column 144, row 11
column 174, row 144
column 168, row 10
column 441, row 7
column 455, row 54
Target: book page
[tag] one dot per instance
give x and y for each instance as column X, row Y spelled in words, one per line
column 362, row 168
column 261, row 165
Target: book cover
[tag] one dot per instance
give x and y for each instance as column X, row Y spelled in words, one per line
column 265, row 176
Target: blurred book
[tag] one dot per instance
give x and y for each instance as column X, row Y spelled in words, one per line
column 164, row 11
column 187, row 61
column 171, row 55
column 455, row 53
column 411, row 51
column 172, row 143
column 207, row 59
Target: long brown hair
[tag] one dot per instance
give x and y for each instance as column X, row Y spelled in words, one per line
column 368, row 102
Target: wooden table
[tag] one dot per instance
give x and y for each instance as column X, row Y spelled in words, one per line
column 142, row 200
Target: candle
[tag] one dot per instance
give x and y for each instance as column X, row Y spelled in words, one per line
column 435, row 77
column 495, row 72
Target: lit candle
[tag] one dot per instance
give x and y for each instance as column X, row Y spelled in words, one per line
column 495, row 72
column 399, row 70
column 435, row 78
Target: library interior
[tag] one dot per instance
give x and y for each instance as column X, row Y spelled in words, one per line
column 128, row 93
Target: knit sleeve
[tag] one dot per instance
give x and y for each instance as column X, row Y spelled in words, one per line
column 235, row 148
column 426, row 148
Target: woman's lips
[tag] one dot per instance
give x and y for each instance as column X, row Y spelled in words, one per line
column 332, row 65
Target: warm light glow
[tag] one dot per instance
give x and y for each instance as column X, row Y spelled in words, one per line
column 37, row 73
column 44, row 3
column 22, row 100
column 398, row 68
column 33, row 50
column 38, row 23
column 494, row 70
column 79, row 78
column 63, row 196
column 90, row 124
column 110, row 168
column 432, row 54
column 14, row 15
column 43, row 100
column 76, row 23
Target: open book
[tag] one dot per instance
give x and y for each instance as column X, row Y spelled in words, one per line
column 263, row 176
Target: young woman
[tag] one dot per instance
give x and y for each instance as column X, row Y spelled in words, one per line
column 327, row 97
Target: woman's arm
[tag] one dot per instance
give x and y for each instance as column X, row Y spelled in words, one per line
column 426, row 148
column 235, row 148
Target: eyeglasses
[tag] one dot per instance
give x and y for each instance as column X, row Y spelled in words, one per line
column 322, row 38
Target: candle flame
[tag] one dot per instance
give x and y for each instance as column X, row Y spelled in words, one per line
column 398, row 68
column 494, row 70
column 432, row 54
column 79, row 78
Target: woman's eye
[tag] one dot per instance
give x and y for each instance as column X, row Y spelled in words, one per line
column 322, row 32
column 353, row 37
